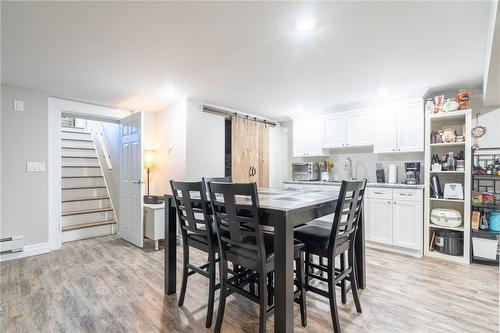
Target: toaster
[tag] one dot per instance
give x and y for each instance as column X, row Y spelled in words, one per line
column 453, row 191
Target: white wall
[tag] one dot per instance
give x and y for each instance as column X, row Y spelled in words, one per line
column 170, row 144
column 24, row 137
column 205, row 143
column 112, row 140
column 491, row 120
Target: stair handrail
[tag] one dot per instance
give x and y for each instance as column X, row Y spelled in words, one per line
column 102, row 142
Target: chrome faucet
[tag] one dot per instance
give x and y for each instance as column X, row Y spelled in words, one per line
column 348, row 168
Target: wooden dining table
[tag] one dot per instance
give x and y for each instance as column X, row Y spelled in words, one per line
column 283, row 209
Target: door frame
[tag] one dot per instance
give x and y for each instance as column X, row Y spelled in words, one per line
column 56, row 107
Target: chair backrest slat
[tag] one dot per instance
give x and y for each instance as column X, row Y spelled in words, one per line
column 190, row 200
column 238, row 222
column 345, row 221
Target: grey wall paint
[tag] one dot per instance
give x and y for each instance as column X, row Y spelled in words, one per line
column 24, row 137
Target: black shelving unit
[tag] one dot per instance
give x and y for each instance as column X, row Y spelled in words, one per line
column 485, row 183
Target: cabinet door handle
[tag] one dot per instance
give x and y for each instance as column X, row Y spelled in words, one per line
column 378, row 192
column 389, row 202
column 393, row 149
column 395, row 203
column 250, row 172
column 254, row 171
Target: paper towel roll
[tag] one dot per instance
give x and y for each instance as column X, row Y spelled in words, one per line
column 393, row 174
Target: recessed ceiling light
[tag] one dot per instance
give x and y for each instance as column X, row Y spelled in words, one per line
column 305, row 24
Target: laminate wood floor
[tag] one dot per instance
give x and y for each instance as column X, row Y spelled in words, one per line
column 107, row 285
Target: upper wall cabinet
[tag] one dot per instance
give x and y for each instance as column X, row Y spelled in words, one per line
column 308, row 137
column 350, row 129
column 335, row 131
column 359, row 128
column 399, row 128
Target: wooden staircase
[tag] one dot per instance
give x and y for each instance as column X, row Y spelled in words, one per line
column 85, row 203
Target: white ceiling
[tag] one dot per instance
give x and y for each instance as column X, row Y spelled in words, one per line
column 243, row 55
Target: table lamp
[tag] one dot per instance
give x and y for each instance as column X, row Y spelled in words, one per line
column 150, row 163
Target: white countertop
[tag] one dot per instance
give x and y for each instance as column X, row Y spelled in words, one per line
column 338, row 183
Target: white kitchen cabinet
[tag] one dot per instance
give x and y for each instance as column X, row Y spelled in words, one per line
column 410, row 127
column 394, row 219
column 379, row 220
column 399, row 128
column 335, row 131
column 349, row 129
column 308, row 137
column 359, row 129
column 384, row 131
column 407, row 224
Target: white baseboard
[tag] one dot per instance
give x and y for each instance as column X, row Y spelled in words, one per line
column 72, row 235
column 29, row 250
column 394, row 249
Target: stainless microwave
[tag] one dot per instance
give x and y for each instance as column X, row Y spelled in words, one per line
column 305, row 171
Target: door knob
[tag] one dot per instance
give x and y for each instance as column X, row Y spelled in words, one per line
column 138, row 182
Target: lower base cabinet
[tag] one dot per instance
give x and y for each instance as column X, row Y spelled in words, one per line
column 394, row 219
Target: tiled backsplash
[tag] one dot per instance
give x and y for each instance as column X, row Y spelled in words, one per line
column 364, row 163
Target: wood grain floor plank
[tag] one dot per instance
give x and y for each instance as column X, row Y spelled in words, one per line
column 107, row 285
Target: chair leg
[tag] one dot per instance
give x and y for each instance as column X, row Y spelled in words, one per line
column 211, row 290
column 185, row 269
column 307, row 261
column 301, row 279
column 353, row 280
column 343, row 294
column 262, row 302
column 332, row 296
column 270, row 281
column 222, row 298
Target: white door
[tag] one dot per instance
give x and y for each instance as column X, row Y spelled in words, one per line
column 410, row 128
column 335, row 131
column 131, row 189
column 380, row 220
column 359, row 129
column 384, row 129
column 407, row 225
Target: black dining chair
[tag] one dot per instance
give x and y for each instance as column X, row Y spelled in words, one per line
column 243, row 242
column 332, row 240
column 193, row 213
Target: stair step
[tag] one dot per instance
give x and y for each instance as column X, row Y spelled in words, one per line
column 81, row 187
column 79, row 130
column 87, row 211
column 80, row 166
column 83, row 148
column 79, row 140
column 85, row 199
column 87, row 225
column 69, row 177
column 89, row 157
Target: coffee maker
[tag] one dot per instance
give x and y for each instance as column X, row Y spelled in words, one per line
column 412, row 171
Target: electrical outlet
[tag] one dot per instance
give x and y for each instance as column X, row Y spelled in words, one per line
column 18, row 105
column 35, row 166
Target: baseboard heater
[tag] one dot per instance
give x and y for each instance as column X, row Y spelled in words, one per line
column 12, row 244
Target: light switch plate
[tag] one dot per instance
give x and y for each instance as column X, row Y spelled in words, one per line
column 18, row 105
column 35, row 166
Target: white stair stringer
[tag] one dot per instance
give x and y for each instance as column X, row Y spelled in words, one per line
column 86, row 207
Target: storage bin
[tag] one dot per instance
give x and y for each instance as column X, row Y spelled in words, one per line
column 484, row 248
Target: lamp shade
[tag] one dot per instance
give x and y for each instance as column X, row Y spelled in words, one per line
column 149, row 159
